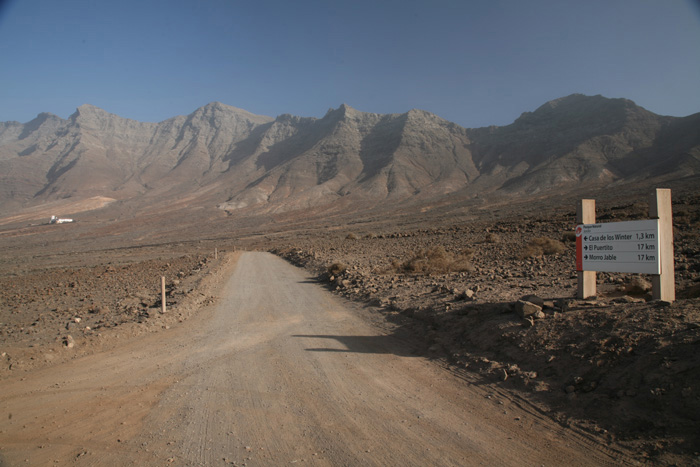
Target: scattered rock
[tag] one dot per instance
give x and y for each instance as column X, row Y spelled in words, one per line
column 562, row 304
column 525, row 309
column 637, row 285
column 534, row 299
column 466, row 295
column 68, row 341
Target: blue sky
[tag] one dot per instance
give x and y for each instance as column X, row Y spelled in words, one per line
column 475, row 63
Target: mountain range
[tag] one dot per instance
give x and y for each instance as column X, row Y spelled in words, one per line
column 227, row 158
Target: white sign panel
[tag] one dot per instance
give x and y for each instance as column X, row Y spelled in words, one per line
column 619, row 247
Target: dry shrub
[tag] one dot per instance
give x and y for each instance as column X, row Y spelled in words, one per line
column 336, row 269
column 437, row 260
column 542, row 246
column 492, row 237
column 351, row 236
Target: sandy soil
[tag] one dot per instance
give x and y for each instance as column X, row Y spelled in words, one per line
column 278, row 372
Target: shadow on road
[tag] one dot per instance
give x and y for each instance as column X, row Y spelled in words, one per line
column 362, row 344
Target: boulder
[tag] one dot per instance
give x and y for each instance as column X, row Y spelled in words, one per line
column 534, row 299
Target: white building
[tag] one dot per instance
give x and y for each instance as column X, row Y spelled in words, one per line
column 56, row 220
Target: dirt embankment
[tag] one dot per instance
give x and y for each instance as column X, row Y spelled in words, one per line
column 621, row 365
column 50, row 315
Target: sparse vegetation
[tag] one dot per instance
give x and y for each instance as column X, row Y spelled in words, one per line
column 437, row 260
column 542, row 246
column 351, row 236
column 492, row 237
column 337, row 268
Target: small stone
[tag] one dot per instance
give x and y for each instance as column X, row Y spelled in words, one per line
column 534, row 299
column 69, row 342
column 525, row 309
column 467, row 295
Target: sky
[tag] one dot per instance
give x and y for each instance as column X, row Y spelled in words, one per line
column 475, row 63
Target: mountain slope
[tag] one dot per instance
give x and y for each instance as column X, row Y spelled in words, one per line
column 579, row 139
column 348, row 160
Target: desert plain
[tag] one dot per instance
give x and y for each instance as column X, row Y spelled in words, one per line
column 359, row 289
column 615, row 376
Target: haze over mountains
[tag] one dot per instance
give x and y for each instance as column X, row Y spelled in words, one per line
column 221, row 156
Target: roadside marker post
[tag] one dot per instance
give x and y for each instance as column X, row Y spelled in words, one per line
column 585, row 214
column 642, row 247
column 663, row 285
column 162, row 294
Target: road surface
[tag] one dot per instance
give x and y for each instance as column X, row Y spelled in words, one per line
column 278, row 372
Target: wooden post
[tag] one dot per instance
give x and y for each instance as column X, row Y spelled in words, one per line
column 585, row 214
column 663, row 286
column 162, row 294
column 216, row 253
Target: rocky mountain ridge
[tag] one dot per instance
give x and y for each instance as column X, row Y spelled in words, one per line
column 347, row 160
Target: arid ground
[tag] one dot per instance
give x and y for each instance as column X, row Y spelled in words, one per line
column 400, row 343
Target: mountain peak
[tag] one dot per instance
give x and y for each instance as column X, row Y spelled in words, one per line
column 90, row 112
column 89, row 108
column 579, row 107
column 343, row 109
column 221, row 107
column 216, row 108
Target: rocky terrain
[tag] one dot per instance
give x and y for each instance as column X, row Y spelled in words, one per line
column 458, row 240
column 51, row 314
column 490, row 293
column 499, row 298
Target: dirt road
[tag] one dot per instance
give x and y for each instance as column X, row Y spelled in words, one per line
column 278, row 372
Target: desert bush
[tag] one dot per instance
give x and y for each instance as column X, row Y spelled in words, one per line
column 542, row 246
column 492, row 237
column 351, row 236
column 437, row 260
column 337, row 269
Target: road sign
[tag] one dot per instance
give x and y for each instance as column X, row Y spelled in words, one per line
column 619, row 247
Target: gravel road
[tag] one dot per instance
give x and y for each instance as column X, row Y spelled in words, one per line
column 279, row 371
